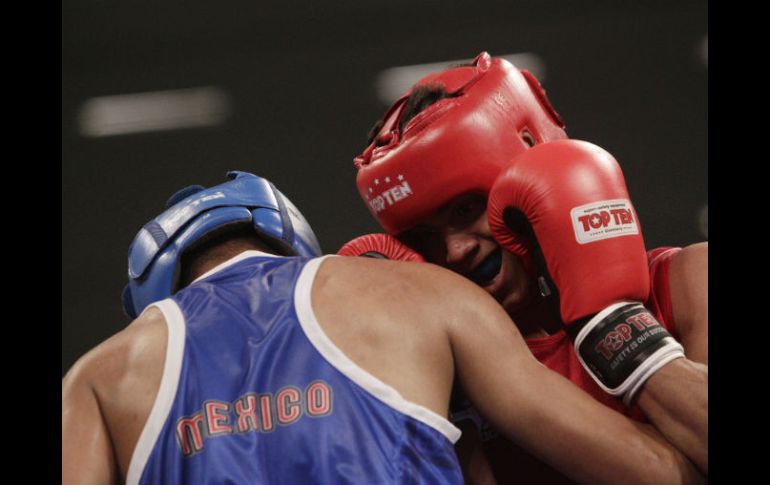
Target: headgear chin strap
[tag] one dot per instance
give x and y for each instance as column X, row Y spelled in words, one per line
column 155, row 252
column 457, row 145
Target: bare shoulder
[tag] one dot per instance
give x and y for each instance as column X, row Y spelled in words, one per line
column 137, row 346
column 391, row 295
column 113, row 386
column 370, row 278
column 693, row 254
column 688, row 284
column 394, row 320
column 688, row 273
column 403, row 292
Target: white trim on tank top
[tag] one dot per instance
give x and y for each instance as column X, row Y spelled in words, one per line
column 350, row 369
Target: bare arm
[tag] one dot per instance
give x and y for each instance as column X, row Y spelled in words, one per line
column 545, row 413
column 106, row 399
column 87, row 453
column 676, row 397
column 688, row 282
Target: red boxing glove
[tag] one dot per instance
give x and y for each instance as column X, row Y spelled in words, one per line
column 382, row 246
column 571, row 197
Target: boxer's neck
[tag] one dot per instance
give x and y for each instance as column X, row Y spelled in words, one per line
column 210, row 256
column 537, row 319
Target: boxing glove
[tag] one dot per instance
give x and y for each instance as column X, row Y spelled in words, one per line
column 567, row 201
column 382, row 246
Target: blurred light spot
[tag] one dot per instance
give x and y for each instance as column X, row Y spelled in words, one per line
column 154, row 111
column 703, row 51
column 395, row 81
column 703, row 221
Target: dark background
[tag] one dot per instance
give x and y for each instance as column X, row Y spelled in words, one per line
column 300, row 75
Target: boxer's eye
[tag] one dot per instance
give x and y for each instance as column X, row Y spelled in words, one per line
column 426, row 240
column 527, row 138
column 466, row 210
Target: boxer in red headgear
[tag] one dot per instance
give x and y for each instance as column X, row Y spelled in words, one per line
column 426, row 177
column 455, row 145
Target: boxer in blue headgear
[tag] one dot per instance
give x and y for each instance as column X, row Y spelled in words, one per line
column 193, row 215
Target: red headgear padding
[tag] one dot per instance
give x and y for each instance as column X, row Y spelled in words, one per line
column 456, row 145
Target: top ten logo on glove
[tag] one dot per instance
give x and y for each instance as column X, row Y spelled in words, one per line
column 603, row 219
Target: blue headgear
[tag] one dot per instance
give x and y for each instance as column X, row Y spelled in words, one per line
column 194, row 212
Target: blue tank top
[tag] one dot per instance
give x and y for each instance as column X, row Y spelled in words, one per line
column 253, row 391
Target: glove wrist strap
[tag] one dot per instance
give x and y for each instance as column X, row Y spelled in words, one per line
column 622, row 346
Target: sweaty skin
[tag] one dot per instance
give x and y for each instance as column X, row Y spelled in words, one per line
column 413, row 327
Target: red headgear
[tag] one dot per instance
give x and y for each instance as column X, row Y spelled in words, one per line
column 457, row 145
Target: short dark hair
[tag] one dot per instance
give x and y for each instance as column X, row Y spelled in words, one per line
column 218, row 246
column 420, row 98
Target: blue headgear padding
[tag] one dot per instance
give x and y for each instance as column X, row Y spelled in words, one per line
column 154, row 254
